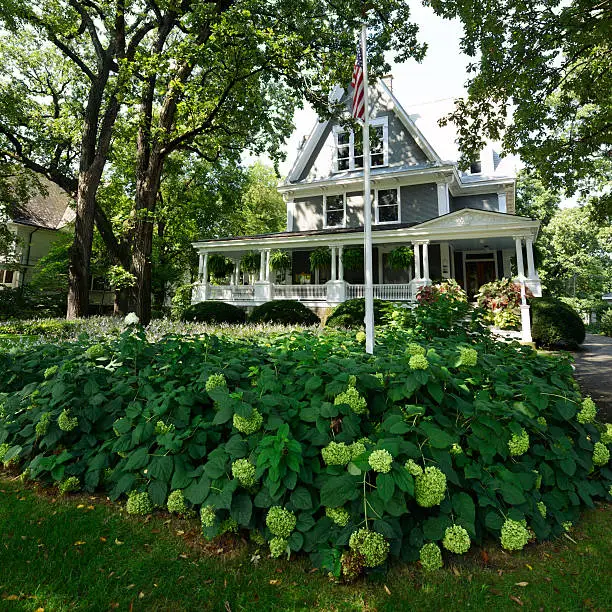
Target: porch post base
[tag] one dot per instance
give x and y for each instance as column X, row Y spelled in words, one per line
column 535, row 286
column 262, row 291
column 525, row 324
column 336, row 291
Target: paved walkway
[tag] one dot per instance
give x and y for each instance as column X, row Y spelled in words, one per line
column 594, row 372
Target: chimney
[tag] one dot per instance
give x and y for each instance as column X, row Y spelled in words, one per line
column 387, row 79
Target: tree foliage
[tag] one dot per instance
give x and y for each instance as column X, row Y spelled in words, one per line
column 542, row 80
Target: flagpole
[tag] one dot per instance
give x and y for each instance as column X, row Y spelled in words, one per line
column 367, row 204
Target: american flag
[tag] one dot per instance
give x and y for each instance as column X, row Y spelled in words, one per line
column 358, row 90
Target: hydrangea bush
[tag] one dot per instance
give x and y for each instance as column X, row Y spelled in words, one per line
column 304, row 440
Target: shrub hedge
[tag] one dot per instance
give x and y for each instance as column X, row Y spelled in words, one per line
column 214, row 312
column 555, row 324
column 351, row 314
column 307, row 442
column 287, row 312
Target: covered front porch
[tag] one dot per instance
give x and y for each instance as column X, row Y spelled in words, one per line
column 472, row 247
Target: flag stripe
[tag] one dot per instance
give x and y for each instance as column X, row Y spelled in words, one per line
column 358, row 110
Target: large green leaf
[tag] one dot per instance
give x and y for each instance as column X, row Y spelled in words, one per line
column 337, row 490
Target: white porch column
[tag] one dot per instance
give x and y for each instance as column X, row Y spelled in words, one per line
column 519, row 258
column 426, row 262
column 267, row 277
column 334, row 267
column 262, row 265
column 525, row 317
column 205, row 268
column 236, row 272
column 200, row 266
column 341, row 263
column 531, row 271
column 501, row 199
column 443, row 200
column 417, row 261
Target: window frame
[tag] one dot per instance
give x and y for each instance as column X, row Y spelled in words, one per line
column 377, row 208
column 3, row 273
column 333, row 195
column 374, row 123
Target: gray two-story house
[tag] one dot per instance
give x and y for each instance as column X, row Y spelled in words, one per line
column 460, row 225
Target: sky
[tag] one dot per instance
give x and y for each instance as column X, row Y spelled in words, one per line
column 440, row 76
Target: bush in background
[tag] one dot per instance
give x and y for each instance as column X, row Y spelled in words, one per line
column 351, row 314
column 605, row 323
column 555, row 324
column 286, row 312
column 214, row 312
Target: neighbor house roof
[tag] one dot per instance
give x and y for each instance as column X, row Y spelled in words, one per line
column 49, row 210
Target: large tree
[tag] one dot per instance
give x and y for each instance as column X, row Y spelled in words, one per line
column 541, row 80
column 209, row 77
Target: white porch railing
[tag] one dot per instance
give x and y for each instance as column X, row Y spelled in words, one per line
column 315, row 293
column 397, row 293
column 243, row 292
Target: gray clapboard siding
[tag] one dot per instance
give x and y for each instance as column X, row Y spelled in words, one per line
column 308, row 214
column 487, row 201
column 419, row 202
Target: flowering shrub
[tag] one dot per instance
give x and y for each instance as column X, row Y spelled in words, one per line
column 431, row 557
column 514, row 535
column 501, row 300
column 66, row 422
column 310, row 443
column 588, row 412
column 70, row 484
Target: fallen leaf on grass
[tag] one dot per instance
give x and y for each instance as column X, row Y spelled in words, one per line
column 518, row 601
column 118, row 542
column 141, row 595
column 180, row 532
column 80, row 543
column 130, row 586
column 102, row 539
column 496, row 592
column 80, row 506
column 484, row 555
column 275, row 582
column 528, row 566
column 521, row 584
column 39, row 610
column 11, row 598
column 387, row 591
column 456, row 571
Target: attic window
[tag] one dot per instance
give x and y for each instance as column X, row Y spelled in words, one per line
column 476, row 167
column 349, row 146
column 6, row 277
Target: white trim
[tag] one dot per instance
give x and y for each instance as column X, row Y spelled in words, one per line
column 443, row 199
column 463, row 254
column 338, row 129
column 501, row 201
column 376, row 209
column 290, row 214
column 325, row 196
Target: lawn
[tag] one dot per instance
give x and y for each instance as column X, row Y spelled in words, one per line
column 83, row 553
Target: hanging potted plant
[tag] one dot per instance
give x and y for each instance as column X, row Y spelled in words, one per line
column 352, row 259
column 250, row 262
column 219, row 266
column 400, row 258
column 279, row 260
column 320, row 258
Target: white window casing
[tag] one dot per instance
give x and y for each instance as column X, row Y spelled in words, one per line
column 347, row 157
column 383, row 211
column 334, row 204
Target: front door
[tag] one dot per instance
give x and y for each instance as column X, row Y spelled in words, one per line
column 477, row 273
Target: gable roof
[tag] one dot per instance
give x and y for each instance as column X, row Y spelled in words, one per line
column 51, row 210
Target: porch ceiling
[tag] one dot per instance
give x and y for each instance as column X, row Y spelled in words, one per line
column 468, row 226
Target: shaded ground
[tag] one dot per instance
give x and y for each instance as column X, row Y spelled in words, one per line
column 594, row 372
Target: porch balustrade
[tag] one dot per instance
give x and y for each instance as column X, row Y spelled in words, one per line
column 397, row 293
column 312, row 293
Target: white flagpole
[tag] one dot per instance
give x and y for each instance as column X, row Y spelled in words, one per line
column 367, row 204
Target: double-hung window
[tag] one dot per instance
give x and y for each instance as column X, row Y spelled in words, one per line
column 6, row 277
column 349, row 146
column 388, row 205
column 334, row 210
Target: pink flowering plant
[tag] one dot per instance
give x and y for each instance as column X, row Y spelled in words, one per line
column 501, row 301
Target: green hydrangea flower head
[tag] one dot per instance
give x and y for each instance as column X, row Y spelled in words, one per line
column 456, row 539
column 244, row 472
column 415, row 349
column 601, row 454
column 340, row 516
column 455, row 449
column 431, row 557
column 518, row 443
column 542, row 421
column 430, row 487
column 371, row 545
column 606, row 434
column 248, row 425
column 52, row 371
column 514, row 535
column 257, row 537
column 413, row 468
column 418, row 362
column 66, row 422
column 95, row 351
column 229, row 525
column 380, row 461
column 3, row 450
column 139, row 503
column 542, row 508
column 468, row 356
column 588, row 412
column 351, row 397
column 278, row 546
column 176, row 502
column 357, row 448
column 215, row 381
column 280, row 522
column 42, row 427
column 567, row 525
column 72, row 483
column 161, row 428
column 336, row 453
column 207, row 516
column 360, row 337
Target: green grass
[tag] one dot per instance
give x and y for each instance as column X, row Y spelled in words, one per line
column 83, row 553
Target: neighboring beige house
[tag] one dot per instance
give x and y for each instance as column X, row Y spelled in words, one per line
column 36, row 226
column 461, row 225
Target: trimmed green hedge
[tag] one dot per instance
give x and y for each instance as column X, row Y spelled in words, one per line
column 214, row 312
column 555, row 324
column 287, row 312
column 351, row 314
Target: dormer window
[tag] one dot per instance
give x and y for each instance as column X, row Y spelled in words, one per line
column 476, row 167
column 349, row 146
